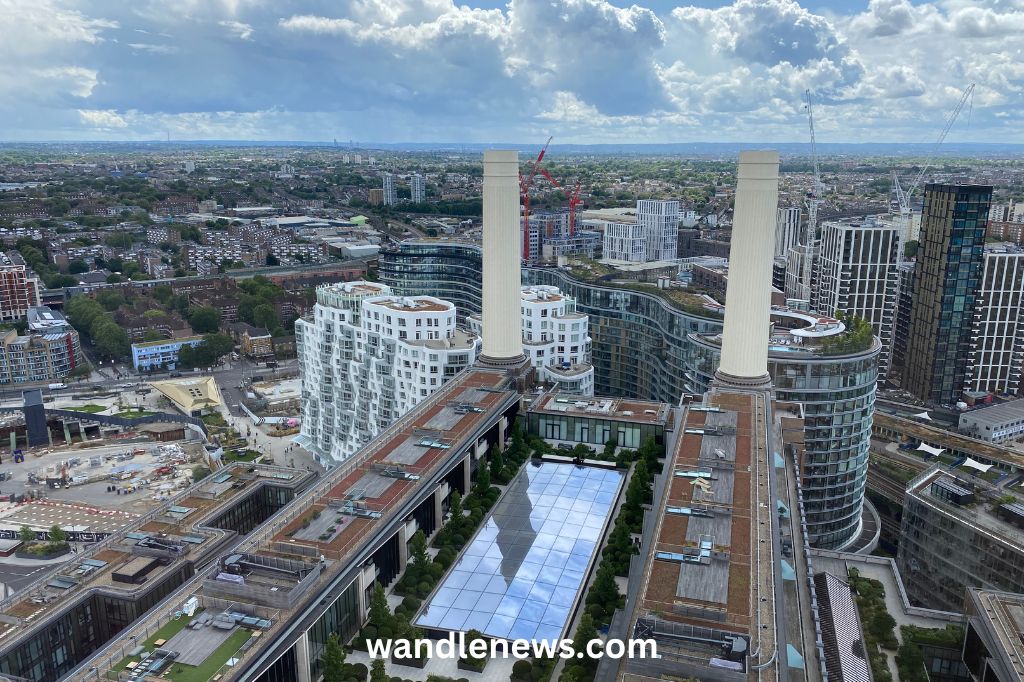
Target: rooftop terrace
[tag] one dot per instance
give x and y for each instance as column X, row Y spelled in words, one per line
column 634, row 411
column 346, row 513
column 147, row 548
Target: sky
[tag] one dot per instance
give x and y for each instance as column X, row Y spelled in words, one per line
column 583, row 71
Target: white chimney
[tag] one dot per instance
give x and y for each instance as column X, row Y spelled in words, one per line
column 502, row 322
column 748, row 294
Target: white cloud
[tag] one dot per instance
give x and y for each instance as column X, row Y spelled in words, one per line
column 239, row 29
column 97, row 118
column 74, row 80
column 437, row 70
column 153, row 49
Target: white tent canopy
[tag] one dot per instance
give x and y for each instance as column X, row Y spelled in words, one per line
column 929, row 449
column 977, row 465
column 924, row 415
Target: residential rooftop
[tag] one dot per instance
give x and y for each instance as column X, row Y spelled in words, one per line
column 620, row 409
column 335, row 523
column 177, row 530
column 974, row 502
column 715, row 591
column 999, row 618
column 167, row 342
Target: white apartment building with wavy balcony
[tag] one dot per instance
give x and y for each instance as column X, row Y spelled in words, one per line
column 556, row 338
column 366, row 357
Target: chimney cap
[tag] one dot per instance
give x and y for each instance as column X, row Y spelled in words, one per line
column 501, row 163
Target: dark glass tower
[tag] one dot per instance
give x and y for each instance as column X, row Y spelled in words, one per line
column 946, row 280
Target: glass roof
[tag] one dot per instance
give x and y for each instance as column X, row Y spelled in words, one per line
column 520, row 574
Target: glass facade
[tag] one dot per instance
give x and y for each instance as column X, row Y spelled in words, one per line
column 593, row 430
column 838, row 396
column 59, row 645
column 254, row 509
column 342, row 618
column 639, row 340
column 948, row 271
column 945, row 548
column 451, row 272
column 644, row 347
column 522, row 573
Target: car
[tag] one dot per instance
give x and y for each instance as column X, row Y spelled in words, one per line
column 175, row 374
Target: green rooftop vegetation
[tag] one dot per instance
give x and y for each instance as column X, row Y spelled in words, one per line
column 179, row 672
column 858, row 337
column 90, row 408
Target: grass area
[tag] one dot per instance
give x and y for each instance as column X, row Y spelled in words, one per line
column 187, row 673
column 214, row 419
column 166, row 632
column 91, row 408
column 246, row 456
column 213, row 663
column 134, row 414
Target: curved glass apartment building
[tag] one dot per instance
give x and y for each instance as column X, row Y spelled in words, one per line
column 646, row 346
column 837, row 392
column 639, row 339
column 448, row 271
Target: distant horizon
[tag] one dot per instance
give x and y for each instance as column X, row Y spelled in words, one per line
column 951, row 149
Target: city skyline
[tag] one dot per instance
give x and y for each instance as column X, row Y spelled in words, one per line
column 586, row 72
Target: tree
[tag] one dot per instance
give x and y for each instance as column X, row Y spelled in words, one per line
column 199, row 473
column 265, row 316
column 497, row 464
column 881, row 625
column 113, row 278
column 333, row 660
column 378, row 673
column 80, row 371
column 111, row 300
column 585, row 632
column 380, row 613
column 78, row 266
column 163, row 293
column 152, row 335
column 121, row 240
column 483, row 478
column 272, row 260
column 418, row 547
column 27, row 534
column 57, row 534
column 204, row 320
column 111, row 340
column 456, row 508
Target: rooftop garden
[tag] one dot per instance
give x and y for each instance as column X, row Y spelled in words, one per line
column 179, row 672
column 858, row 337
column 876, row 622
column 90, row 408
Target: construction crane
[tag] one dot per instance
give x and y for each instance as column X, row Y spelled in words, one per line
column 525, row 182
column 813, row 199
column 903, row 198
column 573, row 198
column 574, row 201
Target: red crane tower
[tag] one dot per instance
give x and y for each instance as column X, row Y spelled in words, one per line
column 524, row 192
column 574, row 198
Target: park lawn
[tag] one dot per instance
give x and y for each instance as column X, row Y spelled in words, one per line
column 209, row 667
column 90, row 408
column 166, row 632
column 246, row 456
